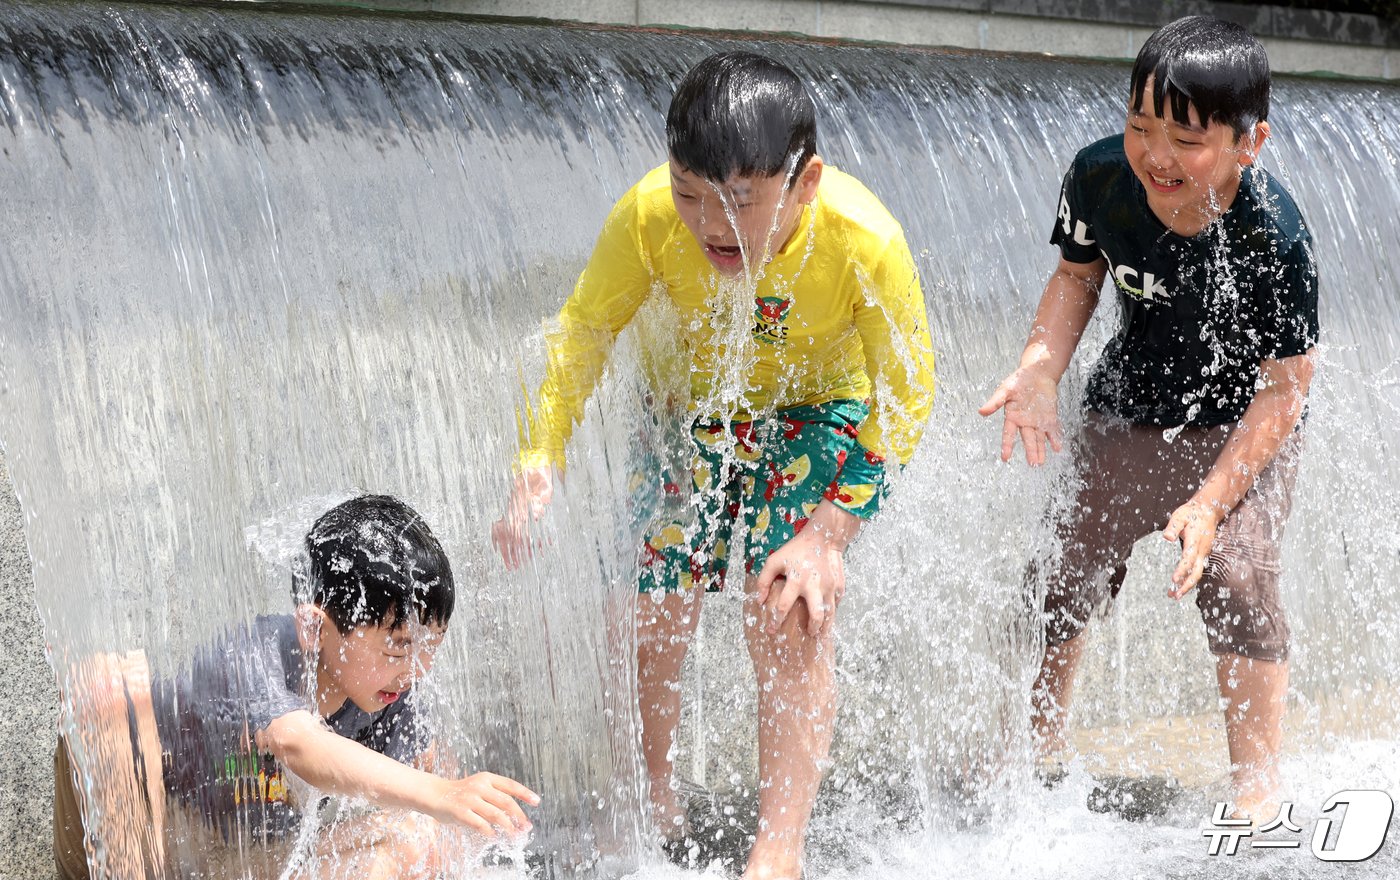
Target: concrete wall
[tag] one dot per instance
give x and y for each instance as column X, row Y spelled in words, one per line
column 28, row 725
column 1298, row 41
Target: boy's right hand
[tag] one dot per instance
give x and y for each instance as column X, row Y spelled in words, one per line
column 533, row 490
column 485, row 803
column 1030, row 396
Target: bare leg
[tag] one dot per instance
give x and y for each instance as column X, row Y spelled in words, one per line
column 388, row 845
column 796, row 709
column 128, row 808
column 1051, row 695
column 1254, row 694
column 664, row 633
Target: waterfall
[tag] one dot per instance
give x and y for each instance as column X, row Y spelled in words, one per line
column 260, row 259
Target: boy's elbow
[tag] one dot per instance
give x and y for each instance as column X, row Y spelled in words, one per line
column 1086, row 278
column 1291, row 376
column 1305, row 368
column 290, row 738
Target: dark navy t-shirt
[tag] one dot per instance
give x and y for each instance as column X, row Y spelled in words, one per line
column 1200, row 313
column 207, row 714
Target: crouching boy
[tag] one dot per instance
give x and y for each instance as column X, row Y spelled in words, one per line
column 193, row 774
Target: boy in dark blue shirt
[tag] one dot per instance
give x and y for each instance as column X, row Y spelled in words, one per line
column 1195, row 406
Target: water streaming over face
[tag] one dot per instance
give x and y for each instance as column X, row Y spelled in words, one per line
column 259, row 260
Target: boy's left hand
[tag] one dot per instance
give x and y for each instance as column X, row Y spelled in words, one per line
column 813, row 568
column 530, row 495
column 1193, row 524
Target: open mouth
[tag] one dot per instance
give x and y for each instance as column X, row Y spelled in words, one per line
column 1165, row 184
column 387, row 697
column 724, row 256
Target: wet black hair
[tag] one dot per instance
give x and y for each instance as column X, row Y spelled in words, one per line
column 373, row 561
column 737, row 113
column 1206, row 63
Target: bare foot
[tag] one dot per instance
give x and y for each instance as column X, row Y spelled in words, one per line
column 667, row 813
column 1258, row 810
column 1258, row 795
column 1048, row 742
column 773, row 861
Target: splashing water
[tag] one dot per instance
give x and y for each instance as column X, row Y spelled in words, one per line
column 258, row 258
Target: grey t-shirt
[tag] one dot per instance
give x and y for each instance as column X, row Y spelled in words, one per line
column 208, row 713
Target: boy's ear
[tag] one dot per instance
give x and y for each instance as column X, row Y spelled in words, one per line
column 311, row 621
column 808, row 180
column 1252, row 142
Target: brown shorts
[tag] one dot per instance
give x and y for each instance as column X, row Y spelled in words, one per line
column 70, row 857
column 1131, row 478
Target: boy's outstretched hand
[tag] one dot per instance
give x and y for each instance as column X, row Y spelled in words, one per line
column 485, row 803
column 1030, row 397
column 533, row 490
column 813, row 568
column 1193, row 524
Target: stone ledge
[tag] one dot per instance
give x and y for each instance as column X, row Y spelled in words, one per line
column 1264, row 21
column 1355, row 46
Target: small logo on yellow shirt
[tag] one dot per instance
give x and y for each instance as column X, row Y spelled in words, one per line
column 768, row 317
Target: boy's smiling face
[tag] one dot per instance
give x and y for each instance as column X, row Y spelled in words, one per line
column 371, row 666
column 1191, row 171
column 746, row 217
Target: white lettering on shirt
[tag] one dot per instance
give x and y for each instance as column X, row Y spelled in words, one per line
column 1151, row 289
column 1073, row 228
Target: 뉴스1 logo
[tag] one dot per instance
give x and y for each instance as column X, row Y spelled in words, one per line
column 1352, row 828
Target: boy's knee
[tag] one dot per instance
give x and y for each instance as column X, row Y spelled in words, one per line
column 413, row 845
column 1061, row 629
column 1241, row 608
column 380, row 845
column 790, row 653
column 1073, row 595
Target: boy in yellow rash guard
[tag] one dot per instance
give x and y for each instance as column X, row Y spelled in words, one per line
column 819, row 316
column 811, row 373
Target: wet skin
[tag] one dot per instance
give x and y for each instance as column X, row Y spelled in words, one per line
column 745, row 219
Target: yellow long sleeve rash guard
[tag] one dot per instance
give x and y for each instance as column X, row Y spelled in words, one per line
column 837, row 314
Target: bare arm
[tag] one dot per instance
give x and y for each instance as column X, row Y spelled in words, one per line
column 1256, row 440
column 331, row 763
column 1252, row 446
column 1064, row 311
column 1030, row 393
